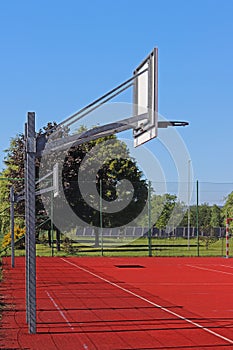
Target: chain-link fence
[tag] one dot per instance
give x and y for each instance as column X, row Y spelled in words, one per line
column 128, row 219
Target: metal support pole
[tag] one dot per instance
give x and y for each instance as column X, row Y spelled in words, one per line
column 26, row 221
column 30, row 222
column 197, row 220
column 51, row 224
column 227, row 238
column 101, row 217
column 149, row 219
column 12, row 211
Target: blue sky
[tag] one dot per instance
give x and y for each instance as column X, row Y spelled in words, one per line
column 57, row 56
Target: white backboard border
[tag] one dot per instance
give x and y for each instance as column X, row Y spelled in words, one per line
column 145, row 99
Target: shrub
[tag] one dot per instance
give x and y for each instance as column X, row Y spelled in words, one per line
column 18, row 233
column 68, row 247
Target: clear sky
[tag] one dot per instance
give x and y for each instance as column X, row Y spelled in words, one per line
column 57, row 56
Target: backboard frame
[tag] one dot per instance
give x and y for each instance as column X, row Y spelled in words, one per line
column 145, row 98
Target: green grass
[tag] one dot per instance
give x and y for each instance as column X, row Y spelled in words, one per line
column 160, row 247
column 139, row 247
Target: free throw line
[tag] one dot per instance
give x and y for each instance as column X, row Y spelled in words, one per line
column 228, row 340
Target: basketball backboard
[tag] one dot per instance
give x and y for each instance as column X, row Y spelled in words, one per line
column 100, row 119
column 145, row 98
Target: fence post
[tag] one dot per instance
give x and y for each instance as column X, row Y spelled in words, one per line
column 12, row 214
column 149, row 219
column 197, row 219
column 101, row 216
column 227, row 238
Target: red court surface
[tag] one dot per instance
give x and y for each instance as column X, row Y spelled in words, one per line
column 121, row 303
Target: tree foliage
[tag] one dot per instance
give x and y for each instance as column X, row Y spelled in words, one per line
column 227, row 211
column 216, row 216
column 111, row 175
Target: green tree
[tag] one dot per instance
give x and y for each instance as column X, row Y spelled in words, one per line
column 168, row 206
column 227, row 210
column 216, row 216
column 111, row 174
column 228, row 206
column 193, row 215
column 14, row 169
column 14, row 175
column 4, row 205
column 166, row 210
column 204, row 215
column 118, row 167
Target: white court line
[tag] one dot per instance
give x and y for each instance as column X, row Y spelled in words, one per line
column 59, row 310
column 190, row 284
column 230, row 267
column 228, row 340
column 212, row 270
